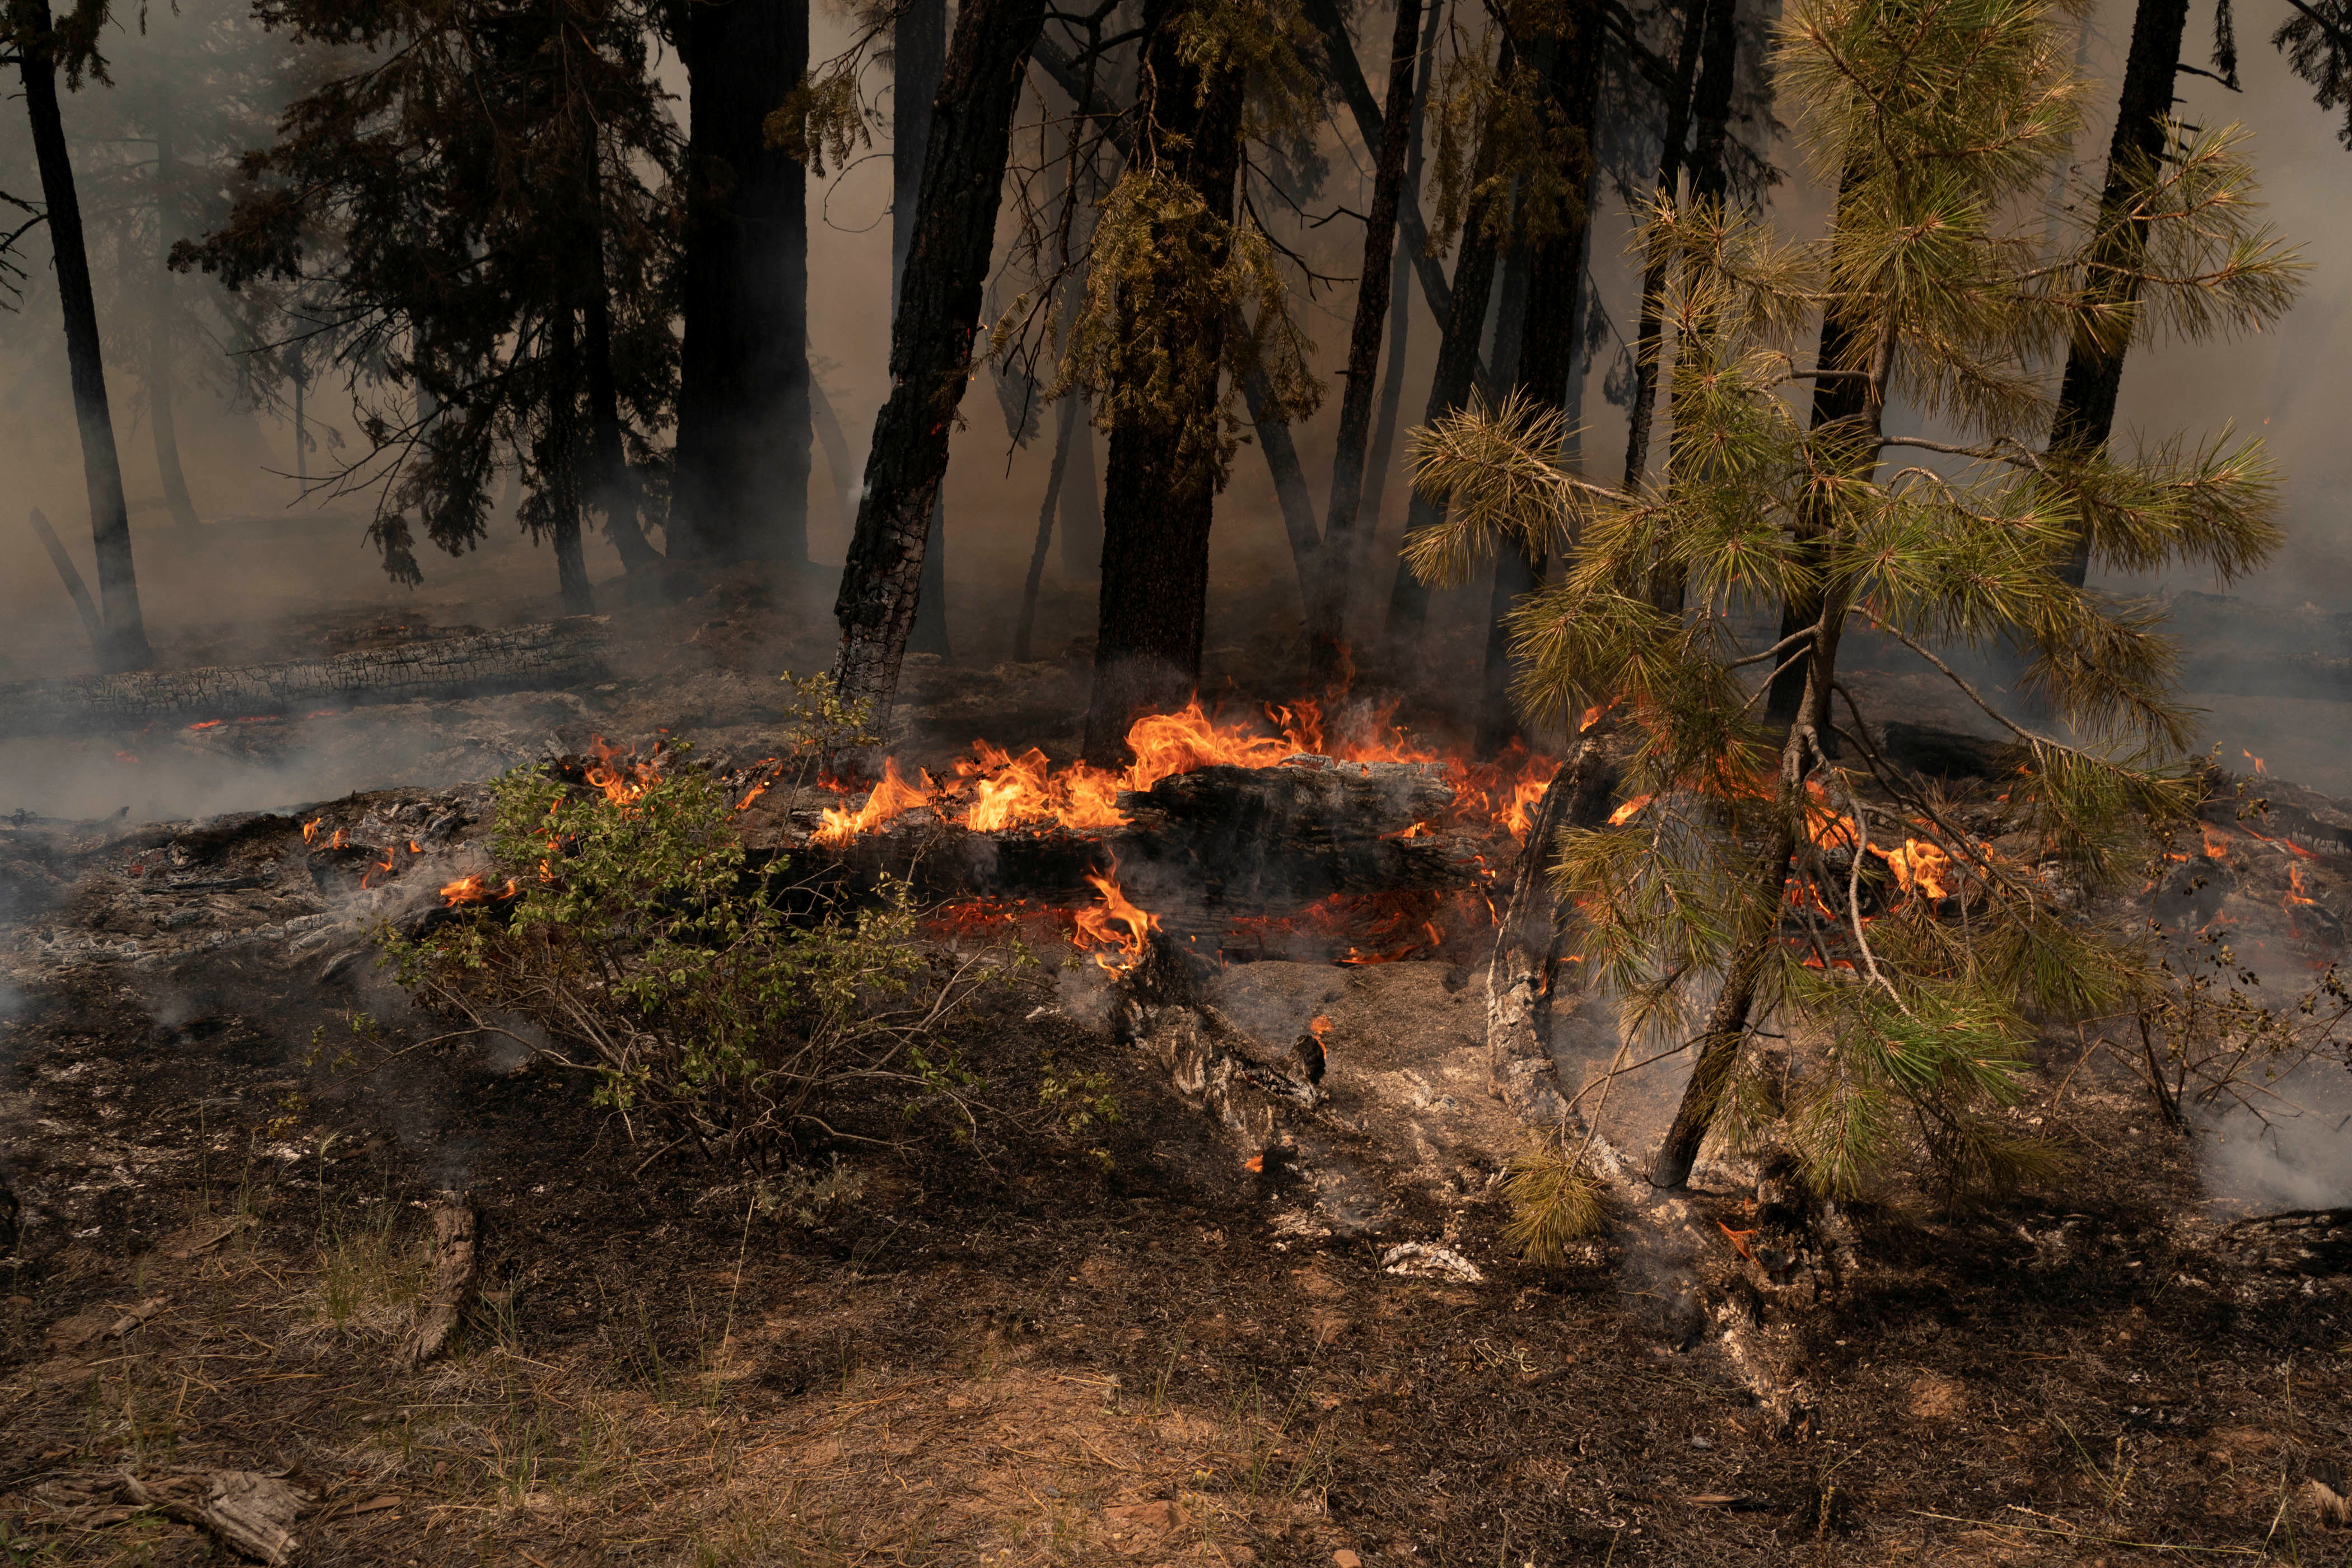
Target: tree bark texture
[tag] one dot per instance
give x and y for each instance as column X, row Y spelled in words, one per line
column 614, row 488
column 1291, row 497
column 1649, row 330
column 930, row 340
column 548, row 656
column 1161, row 490
column 1383, row 456
column 1327, row 590
column 919, row 44
column 741, row 487
column 1449, row 388
column 1066, row 420
column 1551, row 322
column 2087, row 396
column 571, row 472
column 1082, row 519
column 101, row 465
column 162, row 365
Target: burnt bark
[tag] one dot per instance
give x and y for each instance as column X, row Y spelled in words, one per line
column 1449, row 388
column 1160, row 491
column 160, row 359
column 572, row 458
column 2094, row 376
column 1327, row 589
column 1551, row 323
column 1649, row 330
column 110, row 518
column 1383, row 456
column 930, row 340
column 613, row 487
column 741, row 488
column 919, row 42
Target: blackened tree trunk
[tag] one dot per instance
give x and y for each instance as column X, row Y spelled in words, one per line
column 930, row 340
column 1383, row 457
column 568, row 468
column 1160, row 491
column 1327, row 591
column 2086, row 397
column 1550, row 325
column 742, row 489
column 615, row 489
column 918, row 44
column 160, row 360
column 1065, row 423
column 1649, row 330
column 1291, row 495
column 1082, row 519
column 101, row 466
column 1449, row 388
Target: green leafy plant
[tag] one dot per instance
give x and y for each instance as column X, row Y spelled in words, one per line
column 638, row 946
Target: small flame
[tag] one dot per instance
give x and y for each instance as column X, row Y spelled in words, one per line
column 1629, row 811
column 2216, row 845
column 1921, row 867
column 2250, row 756
column 1118, row 952
column 2296, row 892
column 310, row 828
column 1319, row 1025
column 892, row 797
column 337, row 843
column 618, row 774
column 471, row 890
column 413, row 849
column 374, row 871
column 209, row 724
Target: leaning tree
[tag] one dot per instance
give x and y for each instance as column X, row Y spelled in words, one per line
column 1853, row 967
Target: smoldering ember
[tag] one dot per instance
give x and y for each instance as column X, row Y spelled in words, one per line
column 1725, row 945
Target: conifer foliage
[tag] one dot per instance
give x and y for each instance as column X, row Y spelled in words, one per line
column 1855, row 964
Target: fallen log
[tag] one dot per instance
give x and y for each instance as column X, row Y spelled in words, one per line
column 548, row 654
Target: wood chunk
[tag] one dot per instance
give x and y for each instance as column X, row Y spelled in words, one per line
column 203, row 1236
column 456, row 1263
column 547, row 655
column 252, row 1512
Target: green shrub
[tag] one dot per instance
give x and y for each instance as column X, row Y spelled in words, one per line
column 638, row 946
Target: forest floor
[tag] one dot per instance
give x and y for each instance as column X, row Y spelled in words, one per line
column 1013, row 1350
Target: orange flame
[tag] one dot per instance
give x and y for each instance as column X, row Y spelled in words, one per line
column 2296, row 894
column 376, row 870
column 892, row 797
column 471, row 890
column 1118, row 952
column 2216, row 845
column 1629, row 811
column 1319, row 1025
column 1921, row 867
column 2250, row 756
column 310, row 828
column 618, row 774
column 337, row 843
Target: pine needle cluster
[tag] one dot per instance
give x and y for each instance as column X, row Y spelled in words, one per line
column 1861, row 965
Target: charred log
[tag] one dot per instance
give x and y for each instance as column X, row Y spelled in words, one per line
column 550, row 654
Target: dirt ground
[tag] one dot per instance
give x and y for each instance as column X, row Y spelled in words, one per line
column 1014, row 1349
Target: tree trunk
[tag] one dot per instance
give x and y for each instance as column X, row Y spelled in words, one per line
column 614, row 489
column 101, row 466
column 1159, row 496
column 1290, row 494
column 1025, row 629
column 741, row 487
column 1552, row 322
column 1383, row 456
column 1710, row 171
column 1327, row 590
column 1082, row 519
column 1449, row 388
column 572, row 470
column 919, row 43
column 1697, row 15
column 930, row 340
column 160, row 366
column 835, row 445
column 2086, row 397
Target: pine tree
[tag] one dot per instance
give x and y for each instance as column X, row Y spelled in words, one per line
column 1854, row 965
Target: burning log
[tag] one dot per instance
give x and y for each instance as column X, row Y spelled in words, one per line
column 547, row 655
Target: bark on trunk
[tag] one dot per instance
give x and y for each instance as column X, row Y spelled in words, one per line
column 1082, row 519
column 1551, row 323
column 1290, row 493
column 930, row 340
column 1449, row 388
column 741, row 490
column 1649, row 331
column 1064, row 429
column 919, row 49
column 614, row 488
column 567, row 476
column 101, row 465
column 1383, row 457
column 1161, row 493
column 2087, row 396
column 1835, row 400
column 548, row 656
column 91, row 621
column 835, row 445
column 160, row 366
column 1327, row 590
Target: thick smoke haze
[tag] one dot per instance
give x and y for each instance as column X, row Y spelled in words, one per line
column 207, row 600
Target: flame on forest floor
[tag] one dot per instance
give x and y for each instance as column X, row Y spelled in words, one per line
column 618, row 774
column 993, row 790
column 1319, row 1025
column 1116, row 950
column 2260, row 767
column 471, row 888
